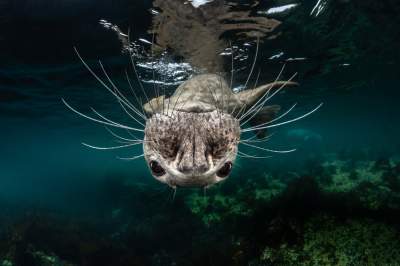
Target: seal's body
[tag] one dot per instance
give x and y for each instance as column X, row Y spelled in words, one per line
column 192, row 137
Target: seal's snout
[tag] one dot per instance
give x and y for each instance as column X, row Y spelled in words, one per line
column 192, row 159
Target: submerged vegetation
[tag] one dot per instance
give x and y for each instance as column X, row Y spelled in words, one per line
column 340, row 212
column 327, row 241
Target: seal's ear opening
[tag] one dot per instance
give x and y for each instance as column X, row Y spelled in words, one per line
column 266, row 114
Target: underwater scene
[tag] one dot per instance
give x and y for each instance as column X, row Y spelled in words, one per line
column 199, row 132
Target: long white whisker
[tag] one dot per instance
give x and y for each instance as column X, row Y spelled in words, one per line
column 131, row 134
column 111, row 148
column 281, row 116
column 121, row 138
column 131, row 158
column 254, row 63
column 251, row 139
column 283, row 123
column 113, row 124
column 122, row 141
column 269, row 150
column 232, row 66
column 245, row 155
column 239, row 114
column 222, row 96
column 156, row 91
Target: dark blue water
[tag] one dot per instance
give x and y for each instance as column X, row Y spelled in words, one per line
column 65, row 204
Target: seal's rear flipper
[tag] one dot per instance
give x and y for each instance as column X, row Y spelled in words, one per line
column 266, row 114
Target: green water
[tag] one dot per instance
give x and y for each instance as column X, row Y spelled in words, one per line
column 335, row 201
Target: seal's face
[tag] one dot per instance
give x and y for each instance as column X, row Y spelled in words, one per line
column 191, row 149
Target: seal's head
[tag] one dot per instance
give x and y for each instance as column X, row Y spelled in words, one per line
column 191, row 149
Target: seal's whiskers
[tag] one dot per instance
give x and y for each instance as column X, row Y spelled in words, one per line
column 254, row 63
column 232, row 64
column 113, row 147
column 133, row 108
column 263, row 96
column 155, row 89
column 279, row 117
column 123, row 102
column 130, row 158
column 245, row 155
column 122, row 138
column 138, row 99
column 113, row 124
column 118, row 97
column 282, row 123
column 109, row 120
column 258, row 106
column 137, row 75
column 269, row 150
column 252, row 140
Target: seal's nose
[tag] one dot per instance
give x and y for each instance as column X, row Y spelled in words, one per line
column 193, row 160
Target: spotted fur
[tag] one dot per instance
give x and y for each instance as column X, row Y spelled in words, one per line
column 191, row 147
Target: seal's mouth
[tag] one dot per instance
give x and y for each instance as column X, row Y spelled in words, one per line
column 174, row 178
column 191, row 181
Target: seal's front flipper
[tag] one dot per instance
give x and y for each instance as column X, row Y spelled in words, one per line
column 249, row 97
column 266, row 114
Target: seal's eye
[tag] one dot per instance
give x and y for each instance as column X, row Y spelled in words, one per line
column 225, row 170
column 156, row 168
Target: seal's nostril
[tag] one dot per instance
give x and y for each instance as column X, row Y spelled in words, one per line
column 202, row 168
column 186, row 169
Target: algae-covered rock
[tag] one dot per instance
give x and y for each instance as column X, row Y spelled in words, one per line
column 354, row 242
column 375, row 184
column 327, row 241
column 6, row 263
column 273, row 188
column 43, row 259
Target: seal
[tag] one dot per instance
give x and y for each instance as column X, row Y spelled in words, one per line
column 192, row 137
